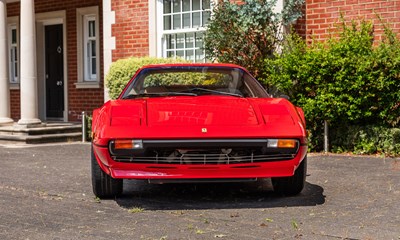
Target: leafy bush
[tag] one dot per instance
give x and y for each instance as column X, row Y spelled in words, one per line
column 88, row 121
column 366, row 140
column 248, row 32
column 347, row 80
column 123, row 70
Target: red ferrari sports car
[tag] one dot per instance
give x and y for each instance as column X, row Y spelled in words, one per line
column 197, row 123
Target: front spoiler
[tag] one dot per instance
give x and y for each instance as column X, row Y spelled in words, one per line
column 197, row 171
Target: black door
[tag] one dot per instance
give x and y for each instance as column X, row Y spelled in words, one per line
column 54, row 71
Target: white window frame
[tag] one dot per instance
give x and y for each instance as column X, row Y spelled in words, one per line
column 13, row 59
column 86, row 79
column 162, row 34
column 88, row 39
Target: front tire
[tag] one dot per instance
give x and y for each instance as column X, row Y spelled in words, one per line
column 104, row 186
column 290, row 186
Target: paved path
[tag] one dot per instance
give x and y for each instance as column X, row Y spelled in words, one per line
column 45, row 193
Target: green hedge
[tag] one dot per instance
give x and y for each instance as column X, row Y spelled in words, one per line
column 123, row 70
column 366, row 140
column 351, row 79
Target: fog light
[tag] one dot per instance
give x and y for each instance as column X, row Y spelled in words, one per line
column 272, row 143
column 128, row 144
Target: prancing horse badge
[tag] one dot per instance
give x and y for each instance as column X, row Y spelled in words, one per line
column 204, row 130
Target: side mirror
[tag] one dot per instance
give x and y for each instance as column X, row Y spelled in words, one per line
column 284, row 96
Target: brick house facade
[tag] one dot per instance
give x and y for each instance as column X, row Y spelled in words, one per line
column 95, row 33
column 78, row 99
column 321, row 15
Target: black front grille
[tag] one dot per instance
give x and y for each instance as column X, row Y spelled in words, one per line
column 216, row 151
column 177, row 157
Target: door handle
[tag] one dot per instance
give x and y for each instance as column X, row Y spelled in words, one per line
column 59, row 83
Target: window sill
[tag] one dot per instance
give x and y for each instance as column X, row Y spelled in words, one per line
column 14, row 86
column 87, row 85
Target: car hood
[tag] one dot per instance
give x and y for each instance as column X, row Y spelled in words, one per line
column 204, row 111
column 202, row 117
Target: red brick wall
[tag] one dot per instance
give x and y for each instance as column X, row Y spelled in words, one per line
column 323, row 14
column 300, row 24
column 15, row 105
column 78, row 99
column 131, row 28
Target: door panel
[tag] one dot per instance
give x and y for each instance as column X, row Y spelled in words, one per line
column 54, row 71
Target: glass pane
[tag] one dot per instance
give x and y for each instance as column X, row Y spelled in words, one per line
column 180, row 40
column 170, row 41
column 186, row 5
column 177, row 21
column 15, row 54
column 93, row 43
column 190, row 55
column 189, row 40
column 206, row 17
column 186, row 20
column 93, row 66
column 180, row 54
column 177, row 6
column 167, row 6
column 14, row 36
column 199, row 55
column 205, row 4
column 196, row 20
column 196, row 5
column 199, row 40
column 170, row 54
column 88, row 50
column 167, row 22
column 92, row 29
column 16, row 69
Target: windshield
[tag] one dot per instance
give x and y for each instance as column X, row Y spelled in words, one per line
column 193, row 81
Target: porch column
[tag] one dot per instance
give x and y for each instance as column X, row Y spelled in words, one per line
column 28, row 82
column 4, row 84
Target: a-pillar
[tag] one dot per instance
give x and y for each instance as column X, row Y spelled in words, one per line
column 28, row 82
column 4, row 84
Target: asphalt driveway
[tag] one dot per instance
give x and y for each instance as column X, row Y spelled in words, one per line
column 45, row 193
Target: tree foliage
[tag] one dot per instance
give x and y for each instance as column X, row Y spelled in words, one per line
column 351, row 79
column 247, row 33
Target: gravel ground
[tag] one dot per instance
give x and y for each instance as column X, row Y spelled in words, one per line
column 45, row 193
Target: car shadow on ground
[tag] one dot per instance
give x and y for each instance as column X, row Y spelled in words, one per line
column 214, row 196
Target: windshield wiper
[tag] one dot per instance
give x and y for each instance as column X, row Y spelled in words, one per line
column 213, row 91
column 164, row 94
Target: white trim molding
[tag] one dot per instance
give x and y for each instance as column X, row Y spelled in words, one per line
column 42, row 20
column 108, row 41
column 180, row 27
column 13, row 23
column 84, row 16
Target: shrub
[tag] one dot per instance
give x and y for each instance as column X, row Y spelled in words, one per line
column 366, row 140
column 248, row 32
column 88, row 121
column 347, row 80
column 123, row 70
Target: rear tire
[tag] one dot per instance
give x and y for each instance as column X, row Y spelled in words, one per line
column 104, row 186
column 290, row 186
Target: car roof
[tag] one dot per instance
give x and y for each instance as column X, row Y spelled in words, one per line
column 162, row 65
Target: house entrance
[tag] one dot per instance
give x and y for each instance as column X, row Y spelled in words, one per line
column 54, row 71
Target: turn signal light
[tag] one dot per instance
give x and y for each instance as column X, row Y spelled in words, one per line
column 286, row 143
column 282, row 143
column 128, row 144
